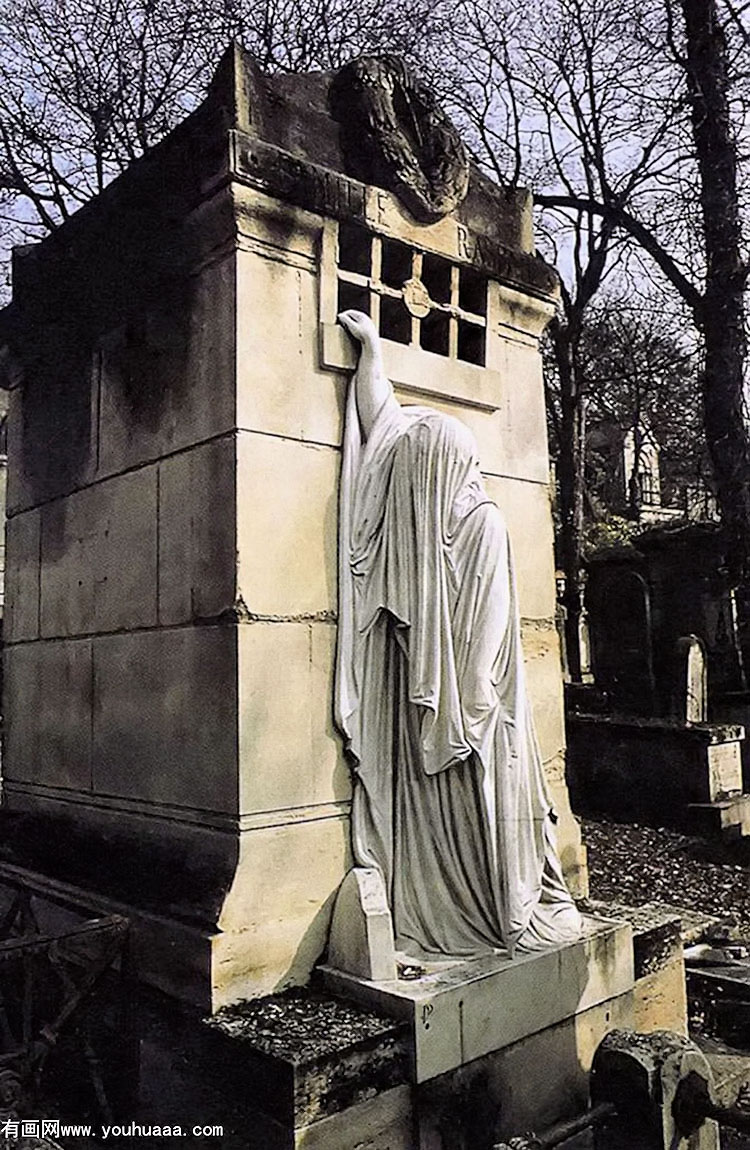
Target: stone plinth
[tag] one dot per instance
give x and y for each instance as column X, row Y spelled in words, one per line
column 506, row 1045
column 283, row 1072
column 461, row 1011
column 174, row 434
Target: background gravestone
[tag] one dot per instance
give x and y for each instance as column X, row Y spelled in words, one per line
column 618, row 599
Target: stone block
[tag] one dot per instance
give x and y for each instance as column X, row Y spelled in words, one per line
column 286, row 529
column 541, row 648
column 168, row 376
column 381, row 1123
column 360, row 941
column 280, row 230
column 524, row 434
column 21, row 691
column 275, row 918
column 285, row 709
column 455, row 1013
column 197, row 551
column 19, row 494
column 529, row 1085
column 660, row 1001
column 64, row 715
column 21, row 611
column 165, row 725
column 99, row 557
column 280, row 388
column 327, row 744
column 53, row 421
column 725, row 768
column 720, row 992
column 528, row 516
column 48, row 714
column 567, row 833
column 303, row 1057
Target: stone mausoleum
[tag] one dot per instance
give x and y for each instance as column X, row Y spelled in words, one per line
column 177, row 384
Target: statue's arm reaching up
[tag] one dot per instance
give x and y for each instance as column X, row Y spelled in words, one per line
column 373, row 388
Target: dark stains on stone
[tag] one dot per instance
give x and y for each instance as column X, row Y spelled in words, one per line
column 148, row 358
column 462, row 1109
column 115, row 282
column 56, row 429
column 657, row 936
column 179, row 873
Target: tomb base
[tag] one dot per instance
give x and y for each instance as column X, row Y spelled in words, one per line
column 202, row 902
column 309, row 1069
column 520, row 1032
column 653, row 770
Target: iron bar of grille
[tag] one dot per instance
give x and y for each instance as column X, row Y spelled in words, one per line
column 29, row 944
column 562, row 1131
column 596, row 1116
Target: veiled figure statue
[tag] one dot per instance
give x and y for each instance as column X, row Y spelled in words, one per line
column 450, row 802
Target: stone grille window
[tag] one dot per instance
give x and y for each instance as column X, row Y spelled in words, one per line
column 413, row 297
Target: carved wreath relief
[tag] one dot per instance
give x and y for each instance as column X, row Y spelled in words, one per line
column 395, row 134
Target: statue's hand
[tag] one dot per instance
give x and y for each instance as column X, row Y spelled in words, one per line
column 360, row 327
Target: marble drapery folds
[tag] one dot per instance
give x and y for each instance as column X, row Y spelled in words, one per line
column 450, row 802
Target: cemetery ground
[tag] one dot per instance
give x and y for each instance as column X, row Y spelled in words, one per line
column 634, row 864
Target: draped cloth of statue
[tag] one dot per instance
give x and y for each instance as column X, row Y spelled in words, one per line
column 450, row 802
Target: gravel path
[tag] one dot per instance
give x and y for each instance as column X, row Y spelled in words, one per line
column 634, row 864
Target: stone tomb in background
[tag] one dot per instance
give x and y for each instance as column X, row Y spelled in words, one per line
column 178, row 382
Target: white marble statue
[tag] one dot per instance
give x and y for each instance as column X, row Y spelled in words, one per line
column 450, row 803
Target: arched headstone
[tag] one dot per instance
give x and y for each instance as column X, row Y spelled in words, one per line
column 690, row 695
column 619, row 614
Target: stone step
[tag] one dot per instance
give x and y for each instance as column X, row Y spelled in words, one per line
column 727, row 818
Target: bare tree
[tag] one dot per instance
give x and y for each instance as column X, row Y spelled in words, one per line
column 567, row 97
column 618, row 116
column 641, row 377
column 87, row 86
column 721, row 315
